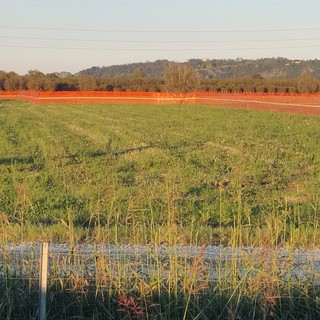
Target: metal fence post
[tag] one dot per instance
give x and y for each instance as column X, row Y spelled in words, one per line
column 43, row 279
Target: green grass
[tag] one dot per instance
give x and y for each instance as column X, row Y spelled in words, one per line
column 159, row 174
column 176, row 174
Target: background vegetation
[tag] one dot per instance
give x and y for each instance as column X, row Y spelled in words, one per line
column 264, row 75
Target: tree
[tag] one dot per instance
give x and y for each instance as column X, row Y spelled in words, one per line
column 87, row 83
column 50, row 82
column 308, row 84
column 35, row 80
column 2, row 79
column 180, row 78
column 12, row 81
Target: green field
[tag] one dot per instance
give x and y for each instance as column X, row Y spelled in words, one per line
column 159, row 174
column 152, row 174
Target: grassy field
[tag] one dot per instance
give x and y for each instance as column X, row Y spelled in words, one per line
column 158, row 174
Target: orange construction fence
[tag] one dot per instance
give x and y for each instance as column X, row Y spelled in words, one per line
column 76, row 97
column 9, row 95
column 87, row 97
column 286, row 102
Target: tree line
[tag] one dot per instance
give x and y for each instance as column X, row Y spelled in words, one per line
column 176, row 78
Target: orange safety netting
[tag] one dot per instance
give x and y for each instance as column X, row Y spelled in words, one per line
column 285, row 102
column 9, row 95
column 77, row 97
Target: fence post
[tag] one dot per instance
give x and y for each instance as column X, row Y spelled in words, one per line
column 43, row 279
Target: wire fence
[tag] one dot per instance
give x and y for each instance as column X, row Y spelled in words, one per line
column 88, row 278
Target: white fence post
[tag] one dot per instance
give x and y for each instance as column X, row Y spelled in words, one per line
column 43, row 279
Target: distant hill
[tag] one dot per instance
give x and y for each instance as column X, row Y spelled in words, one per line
column 269, row 68
column 150, row 69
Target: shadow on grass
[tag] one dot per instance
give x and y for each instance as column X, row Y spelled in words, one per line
column 16, row 160
column 67, row 299
column 75, row 158
column 103, row 153
column 118, row 152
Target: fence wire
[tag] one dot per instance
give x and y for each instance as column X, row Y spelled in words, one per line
column 87, row 277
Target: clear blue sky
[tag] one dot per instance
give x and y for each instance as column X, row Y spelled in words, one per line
column 70, row 35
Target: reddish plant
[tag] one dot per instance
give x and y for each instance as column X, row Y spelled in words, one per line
column 130, row 306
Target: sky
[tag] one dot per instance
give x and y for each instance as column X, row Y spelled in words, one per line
column 72, row 35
